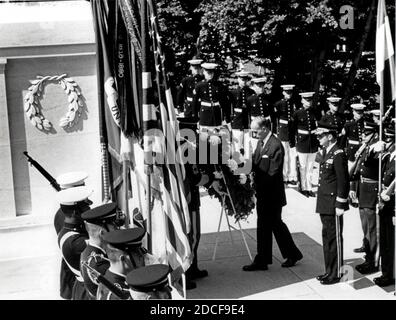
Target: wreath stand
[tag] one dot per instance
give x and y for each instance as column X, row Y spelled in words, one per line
column 224, row 195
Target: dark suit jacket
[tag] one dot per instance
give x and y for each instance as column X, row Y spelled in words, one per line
column 268, row 177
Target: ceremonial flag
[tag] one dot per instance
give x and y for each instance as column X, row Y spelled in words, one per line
column 385, row 57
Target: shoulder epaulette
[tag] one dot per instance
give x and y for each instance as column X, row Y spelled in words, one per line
column 338, row 151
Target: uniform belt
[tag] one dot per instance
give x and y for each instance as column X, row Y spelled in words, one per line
column 354, row 142
column 238, row 109
column 189, row 99
column 209, row 104
column 368, row 180
column 283, row 121
column 300, row 131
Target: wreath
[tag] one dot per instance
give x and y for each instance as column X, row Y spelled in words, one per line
column 33, row 108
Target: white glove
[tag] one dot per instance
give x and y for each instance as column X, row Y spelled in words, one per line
column 339, row 212
column 384, row 196
column 352, row 195
column 379, row 146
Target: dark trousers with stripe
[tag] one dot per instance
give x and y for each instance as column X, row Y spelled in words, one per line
column 329, row 238
column 387, row 246
column 269, row 221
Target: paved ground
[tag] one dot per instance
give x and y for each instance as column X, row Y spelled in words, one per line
column 29, row 260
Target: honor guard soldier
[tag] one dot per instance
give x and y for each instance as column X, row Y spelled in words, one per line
column 185, row 92
column 150, row 283
column 352, row 133
column 211, row 102
column 332, row 200
column 240, row 120
column 97, row 221
column 124, row 250
column 66, row 181
column 284, row 110
column 365, row 173
column 387, row 212
column 258, row 104
column 332, row 116
column 73, row 237
column 375, row 114
column 304, row 126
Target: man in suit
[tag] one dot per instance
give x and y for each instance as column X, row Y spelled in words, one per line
column 66, row 181
column 332, row 201
column 186, row 88
column 268, row 178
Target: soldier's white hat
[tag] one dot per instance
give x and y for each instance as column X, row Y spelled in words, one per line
column 333, row 99
column 242, row 74
column 195, row 62
column 72, row 179
column 307, row 95
column 287, row 87
column 375, row 112
column 259, row 80
column 72, row 196
column 358, row 106
column 209, row 65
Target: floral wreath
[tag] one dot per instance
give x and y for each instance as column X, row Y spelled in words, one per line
column 33, row 108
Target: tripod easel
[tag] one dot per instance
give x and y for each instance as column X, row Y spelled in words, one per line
column 224, row 195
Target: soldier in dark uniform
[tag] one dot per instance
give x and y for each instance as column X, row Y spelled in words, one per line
column 268, row 178
column 211, row 101
column 332, row 116
column 97, row 221
column 366, row 191
column 66, row 181
column 332, row 201
column 72, row 239
column 304, row 126
column 186, row 88
column 259, row 104
column 284, row 110
column 387, row 213
column 150, row 283
column 124, row 250
column 240, row 120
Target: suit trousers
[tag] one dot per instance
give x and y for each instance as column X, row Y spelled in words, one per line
column 306, row 168
column 387, row 246
column 269, row 221
column 330, row 249
column 289, row 163
column 369, row 223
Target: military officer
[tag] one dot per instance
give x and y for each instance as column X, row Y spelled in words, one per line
column 73, row 237
column 150, row 282
column 304, row 126
column 211, row 101
column 66, row 181
column 332, row 116
column 124, row 250
column 98, row 220
column 240, row 119
column 284, row 110
column 332, row 199
column 387, row 212
column 259, row 104
column 366, row 191
column 186, row 88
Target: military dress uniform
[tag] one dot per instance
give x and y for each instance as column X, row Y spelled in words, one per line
column 240, row 119
column 72, row 240
column 118, row 280
column 259, row 106
column 333, row 189
column 185, row 94
column 305, row 124
column 284, row 111
column 335, row 119
column 351, row 140
column 387, row 214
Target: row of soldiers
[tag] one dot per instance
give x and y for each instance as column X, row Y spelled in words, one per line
column 204, row 98
column 102, row 259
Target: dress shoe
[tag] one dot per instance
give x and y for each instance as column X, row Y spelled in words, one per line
column 322, row 277
column 359, row 250
column 366, row 268
column 255, row 266
column 190, row 285
column 327, row 280
column 197, row 273
column 384, row 281
column 290, row 262
column 311, row 194
column 292, row 182
column 305, row 193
